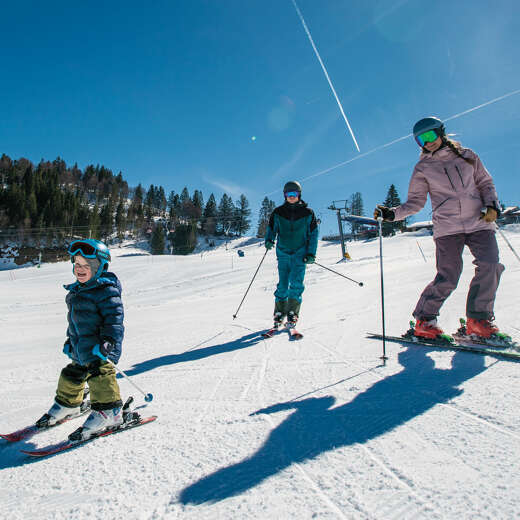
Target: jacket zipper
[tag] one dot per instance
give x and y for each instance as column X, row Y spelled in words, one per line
column 446, row 172
column 458, row 171
column 76, row 349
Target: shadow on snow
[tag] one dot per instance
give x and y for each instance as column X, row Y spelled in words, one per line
column 315, row 427
column 246, row 341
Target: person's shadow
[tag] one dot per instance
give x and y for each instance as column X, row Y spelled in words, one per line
column 249, row 340
column 314, row 427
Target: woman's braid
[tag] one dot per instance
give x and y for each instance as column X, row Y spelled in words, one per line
column 455, row 147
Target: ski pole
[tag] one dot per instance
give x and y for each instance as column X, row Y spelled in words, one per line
column 251, row 283
column 508, row 243
column 420, row 249
column 147, row 397
column 380, row 222
column 339, row 274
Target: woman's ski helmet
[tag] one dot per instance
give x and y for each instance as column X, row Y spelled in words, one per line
column 429, row 123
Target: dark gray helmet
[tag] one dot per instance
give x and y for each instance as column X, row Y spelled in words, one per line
column 292, row 186
column 429, row 123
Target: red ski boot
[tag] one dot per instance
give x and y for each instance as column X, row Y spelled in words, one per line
column 427, row 329
column 481, row 328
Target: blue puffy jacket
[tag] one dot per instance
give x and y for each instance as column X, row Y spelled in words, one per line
column 95, row 314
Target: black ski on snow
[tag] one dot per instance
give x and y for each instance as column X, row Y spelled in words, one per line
column 458, row 343
column 67, row 444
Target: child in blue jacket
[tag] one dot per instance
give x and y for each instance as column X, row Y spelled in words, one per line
column 94, row 337
column 294, row 228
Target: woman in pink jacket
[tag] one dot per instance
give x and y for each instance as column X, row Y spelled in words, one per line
column 465, row 207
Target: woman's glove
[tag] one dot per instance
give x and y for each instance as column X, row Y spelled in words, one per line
column 382, row 211
column 269, row 244
column 490, row 215
column 309, row 259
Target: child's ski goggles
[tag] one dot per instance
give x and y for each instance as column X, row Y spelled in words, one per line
column 426, row 137
column 87, row 250
column 291, row 194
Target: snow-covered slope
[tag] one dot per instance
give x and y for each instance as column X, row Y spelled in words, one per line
column 252, row 428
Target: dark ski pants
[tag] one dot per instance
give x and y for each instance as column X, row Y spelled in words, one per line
column 482, row 290
column 102, row 383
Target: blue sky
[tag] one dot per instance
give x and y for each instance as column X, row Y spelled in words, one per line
column 172, row 93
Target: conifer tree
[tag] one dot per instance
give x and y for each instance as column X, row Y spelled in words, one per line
column 392, row 200
column 356, row 208
column 209, row 221
column 266, row 209
column 242, row 213
column 158, row 242
column 226, row 213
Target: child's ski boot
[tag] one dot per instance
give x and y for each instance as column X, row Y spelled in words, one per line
column 59, row 413
column 97, row 422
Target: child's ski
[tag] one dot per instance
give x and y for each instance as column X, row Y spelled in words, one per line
column 68, row 444
column 33, row 429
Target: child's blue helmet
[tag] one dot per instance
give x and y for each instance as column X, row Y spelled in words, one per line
column 90, row 248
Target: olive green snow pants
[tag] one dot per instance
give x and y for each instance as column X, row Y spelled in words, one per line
column 102, row 383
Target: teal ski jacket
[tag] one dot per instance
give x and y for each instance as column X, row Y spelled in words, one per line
column 296, row 228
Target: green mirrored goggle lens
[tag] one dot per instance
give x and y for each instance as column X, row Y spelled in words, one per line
column 426, row 137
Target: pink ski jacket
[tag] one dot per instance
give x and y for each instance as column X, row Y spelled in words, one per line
column 458, row 192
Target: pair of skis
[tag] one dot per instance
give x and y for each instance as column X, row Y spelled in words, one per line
column 130, row 420
column 500, row 345
column 294, row 335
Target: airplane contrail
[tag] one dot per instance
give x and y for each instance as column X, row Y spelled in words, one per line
column 483, row 105
column 327, row 170
column 325, row 72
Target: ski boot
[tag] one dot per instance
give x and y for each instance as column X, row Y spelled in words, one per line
column 97, row 422
column 278, row 318
column 427, row 329
column 59, row 413
column 481, row 328
column 292, row 319
column 280, row 310
column 293, row 308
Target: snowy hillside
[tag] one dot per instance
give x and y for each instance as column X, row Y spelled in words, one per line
column 252, row 428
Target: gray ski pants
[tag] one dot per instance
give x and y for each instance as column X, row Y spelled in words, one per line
column 482, row 290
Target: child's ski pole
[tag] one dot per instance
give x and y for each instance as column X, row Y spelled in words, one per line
column 147, row 397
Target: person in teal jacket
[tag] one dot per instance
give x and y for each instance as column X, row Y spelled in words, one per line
column 294, row 228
